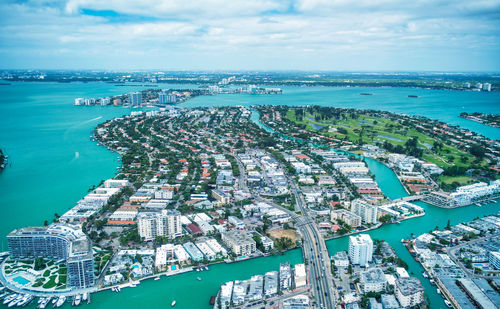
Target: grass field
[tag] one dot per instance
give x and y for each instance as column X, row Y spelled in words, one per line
column 379, row 129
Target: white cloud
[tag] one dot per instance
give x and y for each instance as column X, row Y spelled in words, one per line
column 197, row 31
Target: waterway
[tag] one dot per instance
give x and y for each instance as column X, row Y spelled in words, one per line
column 54, row 162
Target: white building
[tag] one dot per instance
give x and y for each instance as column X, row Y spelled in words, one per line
column 494, row 259
column 372, row 280
column 164, row 223
column 409, row 292
column 367, row 212
column 360, row 249
column 300, row 275
column 341, row 259
column 348, row 217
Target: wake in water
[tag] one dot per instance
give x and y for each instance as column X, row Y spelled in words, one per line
column 65, row 135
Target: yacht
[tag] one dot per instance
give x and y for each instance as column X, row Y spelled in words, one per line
column 157, row 278
column 85, row 296
column 199, row 279
column 78, row 299
column 173, row 303
column 206, row 267
column 60, row 301
column 432, row 282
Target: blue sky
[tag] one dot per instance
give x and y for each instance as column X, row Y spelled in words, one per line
column 367, row 35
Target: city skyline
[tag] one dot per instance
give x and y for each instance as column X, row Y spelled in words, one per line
column 308, row 35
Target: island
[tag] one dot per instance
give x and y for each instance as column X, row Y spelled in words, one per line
column 487, row 119
column 202, row 186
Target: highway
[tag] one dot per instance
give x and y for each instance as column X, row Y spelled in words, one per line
column 314, row 247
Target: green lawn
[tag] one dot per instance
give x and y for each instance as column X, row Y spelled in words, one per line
column 391, row 132
column 462, row 180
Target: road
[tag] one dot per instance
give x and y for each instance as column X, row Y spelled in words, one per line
column 314, row 246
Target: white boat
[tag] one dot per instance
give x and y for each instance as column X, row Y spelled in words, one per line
column 78, row 299
column 438, row 291
column 157, row 278
column 197, row 269
column 60, row 301
column 9, row 298
column 199, row 279
column 54, row 301
column 173, row 303
column 432, row 282
column 206, row 267
column 85, row 296
column 448, row 304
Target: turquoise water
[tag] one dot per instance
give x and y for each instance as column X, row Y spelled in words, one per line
column 54, row 162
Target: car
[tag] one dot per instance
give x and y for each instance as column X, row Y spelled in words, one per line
column 351, row 286
column 326, row 294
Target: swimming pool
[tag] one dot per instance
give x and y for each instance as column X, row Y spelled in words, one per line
column 21, row 280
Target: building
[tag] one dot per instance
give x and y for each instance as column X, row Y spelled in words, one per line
column 409, row 291
column 372, row 280
column 486, row 87
column 348, row 217
column 56, row 242
column 193, row 251
column 340, row 259
column 360, row 249
column 164, row 223
column 165, row 98
column 221, row 197
column 367, row 212
column 135, row 98
column 285, row 276
column 271, row 283
column 494, row 259
column 300, row 275
column 240, row 242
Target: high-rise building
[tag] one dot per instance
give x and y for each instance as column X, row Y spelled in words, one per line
column 360, row 249
column 135, row 98
column 56, row 242
column 486, row 87
column 79, row 101
column 165, row 98
column 367, row 212
column 164, row 223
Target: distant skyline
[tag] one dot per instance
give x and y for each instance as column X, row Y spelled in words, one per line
column 306, row 35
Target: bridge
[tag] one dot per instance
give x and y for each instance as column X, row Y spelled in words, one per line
column 410, row 198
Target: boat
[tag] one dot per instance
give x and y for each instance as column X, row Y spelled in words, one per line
column 432, row 282
column 78, row 299
column 9, row 298
column 438, row 291
column 60, row 301
column 197, row 269
column 199, row 279
column 173, row 303
column 85, row 296
column 425, row 275
column 206, row 267
column 54, row 301
column 44, row 303
column 448, row 304
column 412, row 96
column 157, row 278
column 364, row 93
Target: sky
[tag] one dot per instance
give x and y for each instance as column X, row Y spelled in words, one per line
column 309, row 35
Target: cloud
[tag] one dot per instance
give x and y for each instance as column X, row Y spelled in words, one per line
column 258, row 34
